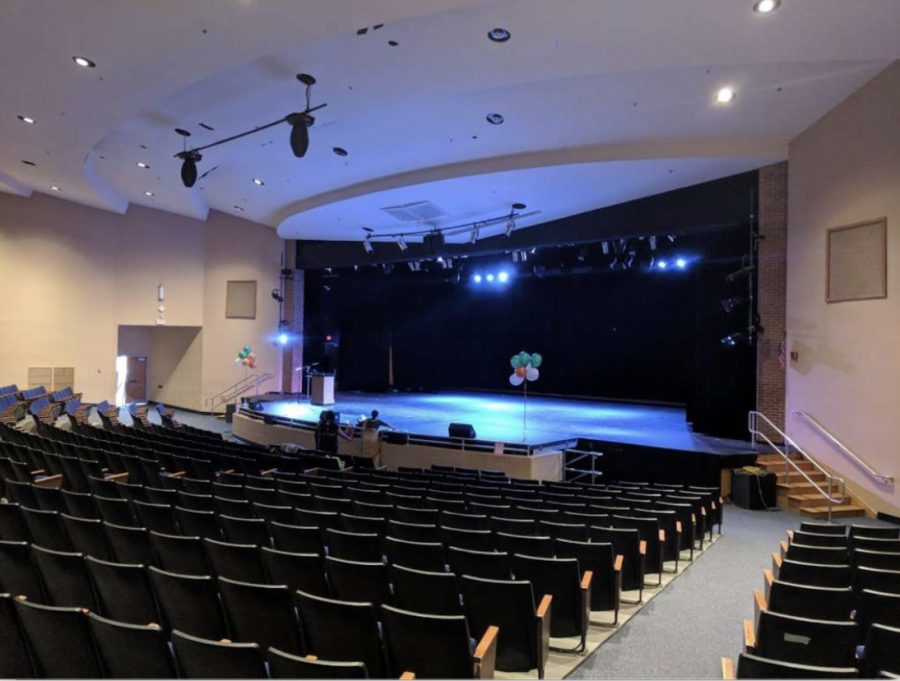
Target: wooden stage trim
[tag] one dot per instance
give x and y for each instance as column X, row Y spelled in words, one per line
column 545, row 465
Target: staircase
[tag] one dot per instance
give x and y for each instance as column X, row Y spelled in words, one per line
column 802, row 484
column 234, row 392
column 796, row 494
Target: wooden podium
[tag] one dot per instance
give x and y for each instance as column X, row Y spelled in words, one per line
column 322, row 390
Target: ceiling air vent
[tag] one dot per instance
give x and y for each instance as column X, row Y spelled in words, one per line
column 419, row 211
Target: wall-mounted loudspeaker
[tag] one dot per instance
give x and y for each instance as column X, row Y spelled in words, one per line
column 462, row 430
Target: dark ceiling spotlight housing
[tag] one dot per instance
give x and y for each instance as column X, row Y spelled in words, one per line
column 499, row 35
column 340, row 151
column 300, row 122
column 494, row 118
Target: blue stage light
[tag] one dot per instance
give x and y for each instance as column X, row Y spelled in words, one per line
column 681, row 263
column 283, row 338
column 503, row 277
column 476, row 278
column 662, row 264
column 490, row 278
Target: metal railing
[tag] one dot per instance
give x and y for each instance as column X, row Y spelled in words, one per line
column 235, row 391
column 753, row 420
column 844, row 449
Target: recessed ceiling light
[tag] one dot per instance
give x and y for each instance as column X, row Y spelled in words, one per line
column 26, row 119
column 54, row 188
column 141, row 164
column 766, row 6
column 148, row 193
column 499, row 35
column 258, row 182
column 83, row 61
column 725, row 95
column 494, row 118
column 340, row 151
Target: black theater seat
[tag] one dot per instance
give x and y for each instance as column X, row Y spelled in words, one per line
column 358, row 581
column 200, row 658
column 131, row 651
column 59, row 640
column 435, row 593
column 283, row 665
column 189, row 603
column 123, row 591
column 261, row 613
column 65, row 578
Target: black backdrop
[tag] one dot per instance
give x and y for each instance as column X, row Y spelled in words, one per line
column 631, row 335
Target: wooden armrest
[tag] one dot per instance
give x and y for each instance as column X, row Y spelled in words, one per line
column 678, row 528
column 178, row 474
column 727, row 669
column 543, row 608
column 776, row 563
column 703, row 510
column 759, row 605
column 586, row 580
column 749, row 636
column 617, row 566
column 485, row 656
column 267, row 473
column 407, row 675
column 543, row 630
column 790, row 534
column 662, row 536
column 784, row 548
column 312, row 658
column 49, row 481
column 721, row 501
column 225, row 640
column 642, row 548
column 115, row 477
column 769, row 577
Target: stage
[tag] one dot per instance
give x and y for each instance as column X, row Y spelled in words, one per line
column 497, row 417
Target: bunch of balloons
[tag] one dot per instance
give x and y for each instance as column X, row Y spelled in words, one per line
column 246, row 357
column 525, row 367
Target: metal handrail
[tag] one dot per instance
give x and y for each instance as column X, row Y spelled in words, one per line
column 884, row 479
column 237, row 389
column 754, row 416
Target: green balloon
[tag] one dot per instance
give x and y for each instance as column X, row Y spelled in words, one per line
column 536, row 360
column 515, row 362
column 247, row 349
column 523, row 358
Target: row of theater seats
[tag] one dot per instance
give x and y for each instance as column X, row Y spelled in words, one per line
column 830, row 609
column 15, row 403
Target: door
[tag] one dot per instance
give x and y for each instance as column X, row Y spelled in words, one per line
column 136, row 384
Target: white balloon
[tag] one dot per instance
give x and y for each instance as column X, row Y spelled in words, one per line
column 516, row 380
column 532, row 374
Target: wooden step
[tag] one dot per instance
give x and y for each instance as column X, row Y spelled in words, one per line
column 795, row 478
column 838, row 510
column 778, row 466
column 796, row 501
column 770, row 458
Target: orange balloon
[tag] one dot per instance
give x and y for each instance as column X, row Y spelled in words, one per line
column 520, row 372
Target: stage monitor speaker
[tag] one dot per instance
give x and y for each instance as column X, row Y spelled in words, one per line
column 462, row 430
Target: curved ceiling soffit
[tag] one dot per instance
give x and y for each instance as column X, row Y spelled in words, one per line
column 658, row 149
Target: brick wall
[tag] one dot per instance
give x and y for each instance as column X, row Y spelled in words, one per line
column 772, row 291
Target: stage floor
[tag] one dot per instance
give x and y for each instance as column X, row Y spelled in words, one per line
column 498, row 418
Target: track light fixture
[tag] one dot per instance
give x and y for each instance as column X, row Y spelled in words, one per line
column 474, row 236
column 401, row 244
column 367, row 245
column 277, row 295
column 299, row 121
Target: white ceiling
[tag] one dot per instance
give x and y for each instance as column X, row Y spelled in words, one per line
column 604, row 100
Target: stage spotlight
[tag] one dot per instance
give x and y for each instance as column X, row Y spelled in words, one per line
column 189, row 159
column 300, row 123
column 474, row 237
column 415, row 265
column 277, row 295
column 476, row 278
column 630, row 261
column 733, row 339
column 490, row 278
column 681, row 263
column 503, row 277
column 401, row 244
column 652, row 241
column 510, row 226
column 283, row 338
column 662, row 264
column 605, row 247
column 367, row 245
column 731, row 304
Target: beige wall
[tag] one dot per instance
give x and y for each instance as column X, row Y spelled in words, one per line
column 846, row 169
column 71, row 275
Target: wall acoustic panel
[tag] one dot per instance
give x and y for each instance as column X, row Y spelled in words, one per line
column 40, row 376
column 856, row 267
column 63, row 377
column 240, row 300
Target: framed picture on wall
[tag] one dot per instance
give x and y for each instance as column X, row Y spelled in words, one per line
column 240, row 300
column 856, row 262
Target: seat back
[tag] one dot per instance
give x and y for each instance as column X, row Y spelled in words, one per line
column 12, row 525
column 806, row 641
column 875, row 531
column 428, row 556
column 46, row 529
column 814, row 602
column 298, row 571
column 341, row 631
column 203, row 658
column 129, row 544
column 436, row 646
column 18, row 574
column 625, row 542
column 476, row 540
column 297, row 538
column 877, row 607
column 176, row 553
column 87, row 536
column 240, row 562
column 365, row 547
column 363, row 582
column 881, row 652
column 159, row 517
column 123, row 591
column 823, row 528
column 819, row 539
column 883, row 560
column 66, row 581
column 558, row 577
column 485, row 564
column 245, row 530
column 59, row 641
column 814, row 574
column 131, row 651
column 14, row 660
column 823, row 555
column 189, row 603
column 433, row 593
column 756, row 667
column 528, row 546
column 283, row 665
column 262, row 613
column 875, row 544
column 510, row 606
column 875, row 579
column 599, row 559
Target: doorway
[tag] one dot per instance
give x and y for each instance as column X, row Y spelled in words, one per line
column 131, row 379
